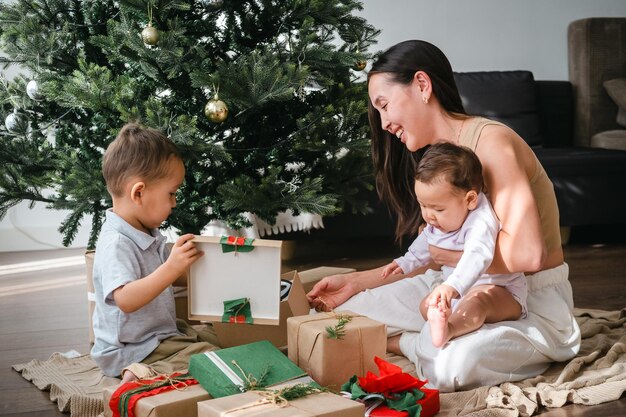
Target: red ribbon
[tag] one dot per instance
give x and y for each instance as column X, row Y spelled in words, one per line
column 237, row 319
column 236, row 241
column 390, row 380
column 134, row 385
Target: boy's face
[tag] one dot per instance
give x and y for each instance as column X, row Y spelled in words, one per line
column 444, row 206
column 158, row 198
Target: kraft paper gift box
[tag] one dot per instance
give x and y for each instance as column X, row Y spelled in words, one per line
column 175, row 403
column 331, row 362
column 311, row 276
column 220, row 276
column 224, row 372
column 253, row 404
column 91, row 295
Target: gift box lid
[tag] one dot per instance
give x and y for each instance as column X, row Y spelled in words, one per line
column 252, row 404
column 223, row 372
column 228, row 272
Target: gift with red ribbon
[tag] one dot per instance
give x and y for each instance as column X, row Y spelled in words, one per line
column 398, row 393
column 123, row 400
column 236, row 244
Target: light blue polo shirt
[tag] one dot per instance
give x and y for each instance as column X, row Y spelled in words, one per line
column 125, row 254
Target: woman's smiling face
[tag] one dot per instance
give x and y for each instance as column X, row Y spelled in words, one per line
column 397, row 105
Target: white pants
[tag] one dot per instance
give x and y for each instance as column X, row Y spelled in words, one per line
column 495, row 353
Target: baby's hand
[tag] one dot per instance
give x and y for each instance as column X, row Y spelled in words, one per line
column 183, row 254
column 391, row 269
column 441, row 297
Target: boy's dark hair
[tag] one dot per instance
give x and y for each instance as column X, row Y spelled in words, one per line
column 137, row 151
column 458, row 165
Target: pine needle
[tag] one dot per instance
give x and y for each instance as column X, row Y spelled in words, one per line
column 338, row 331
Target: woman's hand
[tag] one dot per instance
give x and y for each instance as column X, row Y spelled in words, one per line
column 445, row 256
column 331, row 291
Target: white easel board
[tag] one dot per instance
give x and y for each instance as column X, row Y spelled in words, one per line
column 217, row 277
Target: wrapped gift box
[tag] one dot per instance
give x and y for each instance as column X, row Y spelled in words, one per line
column 91, row 295
column 223, row 372
column 250, row 404
column 219, row 276
column 175, row 403
column 331, row 362
column 311, row 276
column 430, row 406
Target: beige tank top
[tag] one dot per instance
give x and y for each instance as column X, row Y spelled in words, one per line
column 540, row 184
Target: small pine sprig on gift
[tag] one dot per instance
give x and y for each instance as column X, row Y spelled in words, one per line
column 338, row 331
column 290, row 393
column 250, row 382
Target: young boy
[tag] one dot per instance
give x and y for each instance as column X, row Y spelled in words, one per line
column 134, row 319
column 448, row 186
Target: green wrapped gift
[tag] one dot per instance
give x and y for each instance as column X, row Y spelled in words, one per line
column 241, row 368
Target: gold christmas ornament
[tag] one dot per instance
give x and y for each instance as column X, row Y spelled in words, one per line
column 150, row 35
column 360, row 65
column 216, row 110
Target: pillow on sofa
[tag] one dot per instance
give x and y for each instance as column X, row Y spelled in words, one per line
column 617, row 90
column 509, row 97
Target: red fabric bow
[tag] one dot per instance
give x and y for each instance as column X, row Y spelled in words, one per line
column 237, row 241
column 391, row 379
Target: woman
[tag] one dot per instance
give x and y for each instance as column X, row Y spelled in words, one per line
column 414, row 102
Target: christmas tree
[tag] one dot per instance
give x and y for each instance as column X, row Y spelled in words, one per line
column 265, row 99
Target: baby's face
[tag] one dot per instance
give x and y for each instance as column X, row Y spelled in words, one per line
column 443, row 206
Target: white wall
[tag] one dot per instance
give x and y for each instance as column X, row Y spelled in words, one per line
column 479, row 35
column 475, row 35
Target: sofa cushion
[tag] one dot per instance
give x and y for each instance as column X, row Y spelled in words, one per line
column 509, row 97
column 617, row 90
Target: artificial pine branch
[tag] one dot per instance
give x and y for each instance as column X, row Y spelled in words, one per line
column 338, row 331
column 296, row 137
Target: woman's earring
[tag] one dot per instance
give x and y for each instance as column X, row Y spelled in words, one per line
column 425, row 99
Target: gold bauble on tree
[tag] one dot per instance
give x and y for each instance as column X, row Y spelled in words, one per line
column 216, row 110
column 360, row 65
column 150, row 35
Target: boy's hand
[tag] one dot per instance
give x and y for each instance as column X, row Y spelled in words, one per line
column 391, row 269
column 183, row 254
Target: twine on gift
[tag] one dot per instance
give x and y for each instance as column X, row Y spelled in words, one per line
column 123, row 400
column 250, row 382
column 337, row 331
column 279, row 398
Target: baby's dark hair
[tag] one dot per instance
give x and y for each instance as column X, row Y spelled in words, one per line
column 456, row 164
column 137, row 151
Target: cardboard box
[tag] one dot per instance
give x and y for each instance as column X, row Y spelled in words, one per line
column 332, row 362
column 296, row 304
column 252, row 404
column 223, row 372
column 311, row 276
column 91, row 296
column 173, row 403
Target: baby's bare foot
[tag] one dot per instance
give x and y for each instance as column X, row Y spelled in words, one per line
column 439, row 327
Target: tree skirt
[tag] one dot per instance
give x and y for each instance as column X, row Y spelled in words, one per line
column 596, row 375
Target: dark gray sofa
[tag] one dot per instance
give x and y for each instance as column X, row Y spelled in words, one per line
column 589, row 182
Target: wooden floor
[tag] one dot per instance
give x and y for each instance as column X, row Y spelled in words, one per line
column 44, row 309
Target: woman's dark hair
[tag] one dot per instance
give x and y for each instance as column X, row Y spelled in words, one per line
column 394, row 164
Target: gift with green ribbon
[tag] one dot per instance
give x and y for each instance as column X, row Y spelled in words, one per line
column 236, row 244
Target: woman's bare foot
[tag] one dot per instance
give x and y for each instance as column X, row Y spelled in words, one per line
column 439, row 326
column 128, row 376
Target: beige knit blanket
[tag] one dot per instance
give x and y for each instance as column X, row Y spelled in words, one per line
column 596, row 375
